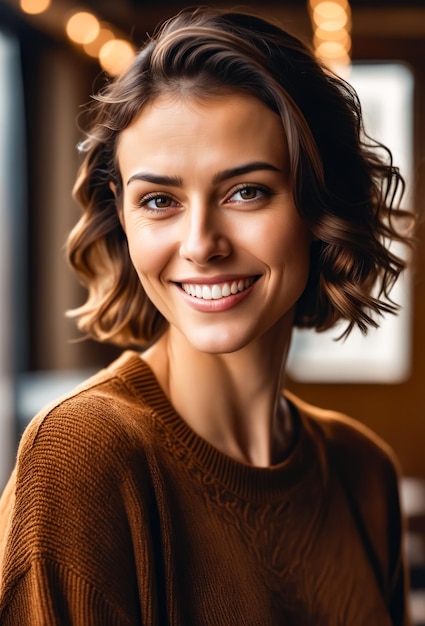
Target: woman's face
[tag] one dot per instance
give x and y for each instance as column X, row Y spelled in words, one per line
column 212, row 228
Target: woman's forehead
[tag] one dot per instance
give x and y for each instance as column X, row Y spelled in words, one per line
column 172, row 130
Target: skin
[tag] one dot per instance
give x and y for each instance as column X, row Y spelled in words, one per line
column 207, row 202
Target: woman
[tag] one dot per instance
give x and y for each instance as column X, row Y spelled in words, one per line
column 227, row 197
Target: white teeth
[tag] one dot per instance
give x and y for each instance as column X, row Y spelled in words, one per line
column 225, row 290
column 215, row 292
column 206, row 292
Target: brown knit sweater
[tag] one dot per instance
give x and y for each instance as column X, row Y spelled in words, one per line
column 119, row 514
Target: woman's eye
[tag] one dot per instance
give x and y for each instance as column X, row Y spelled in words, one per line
column 246, row 193
column 157, row 202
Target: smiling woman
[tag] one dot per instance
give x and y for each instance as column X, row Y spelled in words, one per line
column 228, row 195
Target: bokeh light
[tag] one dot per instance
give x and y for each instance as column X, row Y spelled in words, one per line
column 82, row 27
column 340, row 37
column 343, row 3
column 331, row 21
column 331, row 13
column 94, row 47
column 115, row 56
column 331, row 50
column 33, row 7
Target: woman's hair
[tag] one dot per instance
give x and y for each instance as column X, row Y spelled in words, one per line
column 345, row 186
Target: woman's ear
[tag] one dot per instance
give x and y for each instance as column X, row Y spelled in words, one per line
column 113, row 188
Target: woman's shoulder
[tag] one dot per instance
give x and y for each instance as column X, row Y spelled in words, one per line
column 95, row 428
column 83, row 450
column 344, row 432
column 101, row 407
column 353, row 449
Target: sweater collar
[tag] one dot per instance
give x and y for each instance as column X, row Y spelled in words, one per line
column 306, row 458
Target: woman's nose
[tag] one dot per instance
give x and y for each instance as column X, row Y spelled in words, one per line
column 203, row 240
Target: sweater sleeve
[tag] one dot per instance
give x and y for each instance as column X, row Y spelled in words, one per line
column 68, row 556
column 50, row 594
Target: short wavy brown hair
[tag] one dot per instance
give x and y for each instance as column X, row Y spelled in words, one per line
column 345, row 185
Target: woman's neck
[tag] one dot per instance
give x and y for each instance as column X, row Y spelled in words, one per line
column 234, row 401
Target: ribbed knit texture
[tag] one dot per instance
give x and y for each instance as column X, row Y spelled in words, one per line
column 119, row 514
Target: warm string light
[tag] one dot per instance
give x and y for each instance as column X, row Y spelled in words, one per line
column 98, row 40
column 115, row 56
column 34, row 7
column 82, row 27
column 331, row 20
column 93, row 48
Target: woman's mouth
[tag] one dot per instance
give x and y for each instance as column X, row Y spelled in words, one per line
column 219, row 290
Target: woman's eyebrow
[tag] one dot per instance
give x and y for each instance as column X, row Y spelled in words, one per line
column 244, row 169
column 156, row 179
column 233, row 172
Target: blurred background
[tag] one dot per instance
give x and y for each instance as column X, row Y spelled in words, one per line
column 53, row 55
